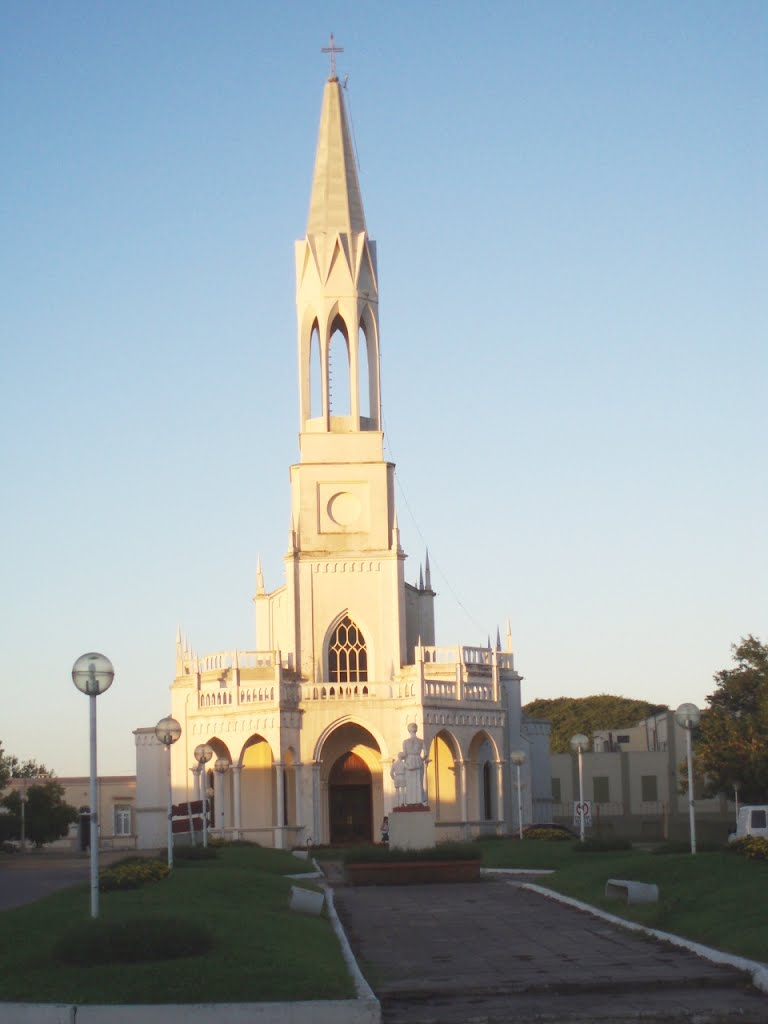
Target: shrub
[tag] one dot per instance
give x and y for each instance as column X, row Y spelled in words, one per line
column 384, row 855
column 595, row 844
column 182, row 853
column 132, row 873
column 131, row 941
column 751, row 847
column 554, row 835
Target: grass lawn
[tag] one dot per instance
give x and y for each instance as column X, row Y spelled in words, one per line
column 717, row 898
column 262, row 952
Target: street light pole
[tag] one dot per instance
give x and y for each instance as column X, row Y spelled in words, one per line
column 92, row 674
column 168, row 731
column 579, row 743
column 687, row 717
column 517, row 757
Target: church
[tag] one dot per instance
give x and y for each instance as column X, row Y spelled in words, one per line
column 305, row 728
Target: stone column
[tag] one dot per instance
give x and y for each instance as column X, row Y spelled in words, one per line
column 280, row 799
column 236, row 770
column 316, row 815
column 499, row 790
column 297, row 777
column 461, row 767
column 388, row 786
column 218, row 799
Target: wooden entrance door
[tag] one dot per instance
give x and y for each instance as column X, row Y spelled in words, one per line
column 350, row 800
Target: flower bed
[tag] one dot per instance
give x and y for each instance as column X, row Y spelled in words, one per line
column 413, row 872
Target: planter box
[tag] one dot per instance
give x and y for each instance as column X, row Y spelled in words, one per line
column 412, row 872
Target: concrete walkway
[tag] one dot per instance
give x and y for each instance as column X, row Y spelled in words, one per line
column 493, row 952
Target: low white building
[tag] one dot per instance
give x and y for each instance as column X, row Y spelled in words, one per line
column 306, row 726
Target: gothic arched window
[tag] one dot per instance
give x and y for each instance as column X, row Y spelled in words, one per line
column 347, row 656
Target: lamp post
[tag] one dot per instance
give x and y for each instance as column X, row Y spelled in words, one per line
column 92, row 674
column 221, row 767
column 579, row 744
column 517, row 757
column 736, row 788
column 203, row 754
column 168, row 731
column 23, row 800
column 687, row 717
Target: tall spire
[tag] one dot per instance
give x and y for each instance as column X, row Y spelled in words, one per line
column 259, row 577
column 336, row 205
column 427, row 573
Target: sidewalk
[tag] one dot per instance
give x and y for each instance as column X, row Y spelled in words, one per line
column 494, row 952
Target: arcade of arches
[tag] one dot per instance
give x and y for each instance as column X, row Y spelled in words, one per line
column 257, row 793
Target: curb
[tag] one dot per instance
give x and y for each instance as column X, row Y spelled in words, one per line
column 757, row 971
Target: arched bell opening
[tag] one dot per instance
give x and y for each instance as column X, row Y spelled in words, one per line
column 339, row 382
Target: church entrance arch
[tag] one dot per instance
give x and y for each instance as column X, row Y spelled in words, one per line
column 349, row 800
column 353, row 785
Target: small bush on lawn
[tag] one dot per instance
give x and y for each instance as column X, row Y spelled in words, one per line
column 132, row 941
column 132, row 874
column 553, row 835
column 594, row 844
column 182, row 853
column 751, row 847
column 384, row 855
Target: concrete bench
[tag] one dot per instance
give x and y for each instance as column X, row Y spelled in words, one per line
column 633, row 892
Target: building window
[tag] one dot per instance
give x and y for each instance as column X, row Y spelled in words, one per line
column 122, row 817
column 622, row 739
column 347, row 656
column 649, row 789
column 556, row 790
column 600, row 789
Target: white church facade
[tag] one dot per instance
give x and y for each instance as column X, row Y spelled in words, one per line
column 305, row 728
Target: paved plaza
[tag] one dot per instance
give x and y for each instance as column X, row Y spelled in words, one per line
column 493, row 952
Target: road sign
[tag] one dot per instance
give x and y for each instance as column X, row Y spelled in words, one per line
column 582, row 812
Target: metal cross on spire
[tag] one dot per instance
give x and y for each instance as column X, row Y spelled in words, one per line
column 333, row 49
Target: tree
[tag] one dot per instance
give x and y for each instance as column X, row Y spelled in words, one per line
column 571, row 715
column 731, row 743
column 12, row 768
column 47, row 816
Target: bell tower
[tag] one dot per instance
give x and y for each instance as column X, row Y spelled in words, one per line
column 342, row 612
column 337, row 298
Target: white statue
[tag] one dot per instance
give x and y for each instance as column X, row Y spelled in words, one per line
column 397, row 774
column 413, row 749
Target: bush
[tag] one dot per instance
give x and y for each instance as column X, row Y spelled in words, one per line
column 751, row 847
column 182, row 853
column 595, row 844
column 554, row 835
column 384, row 855
column 132, row 873
column 131, row 941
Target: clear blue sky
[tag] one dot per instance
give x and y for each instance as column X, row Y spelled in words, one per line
column 570, row 207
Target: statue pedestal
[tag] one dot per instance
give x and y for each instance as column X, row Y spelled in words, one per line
column 411, row 827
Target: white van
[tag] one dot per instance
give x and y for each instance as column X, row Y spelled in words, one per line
column 752, row 821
